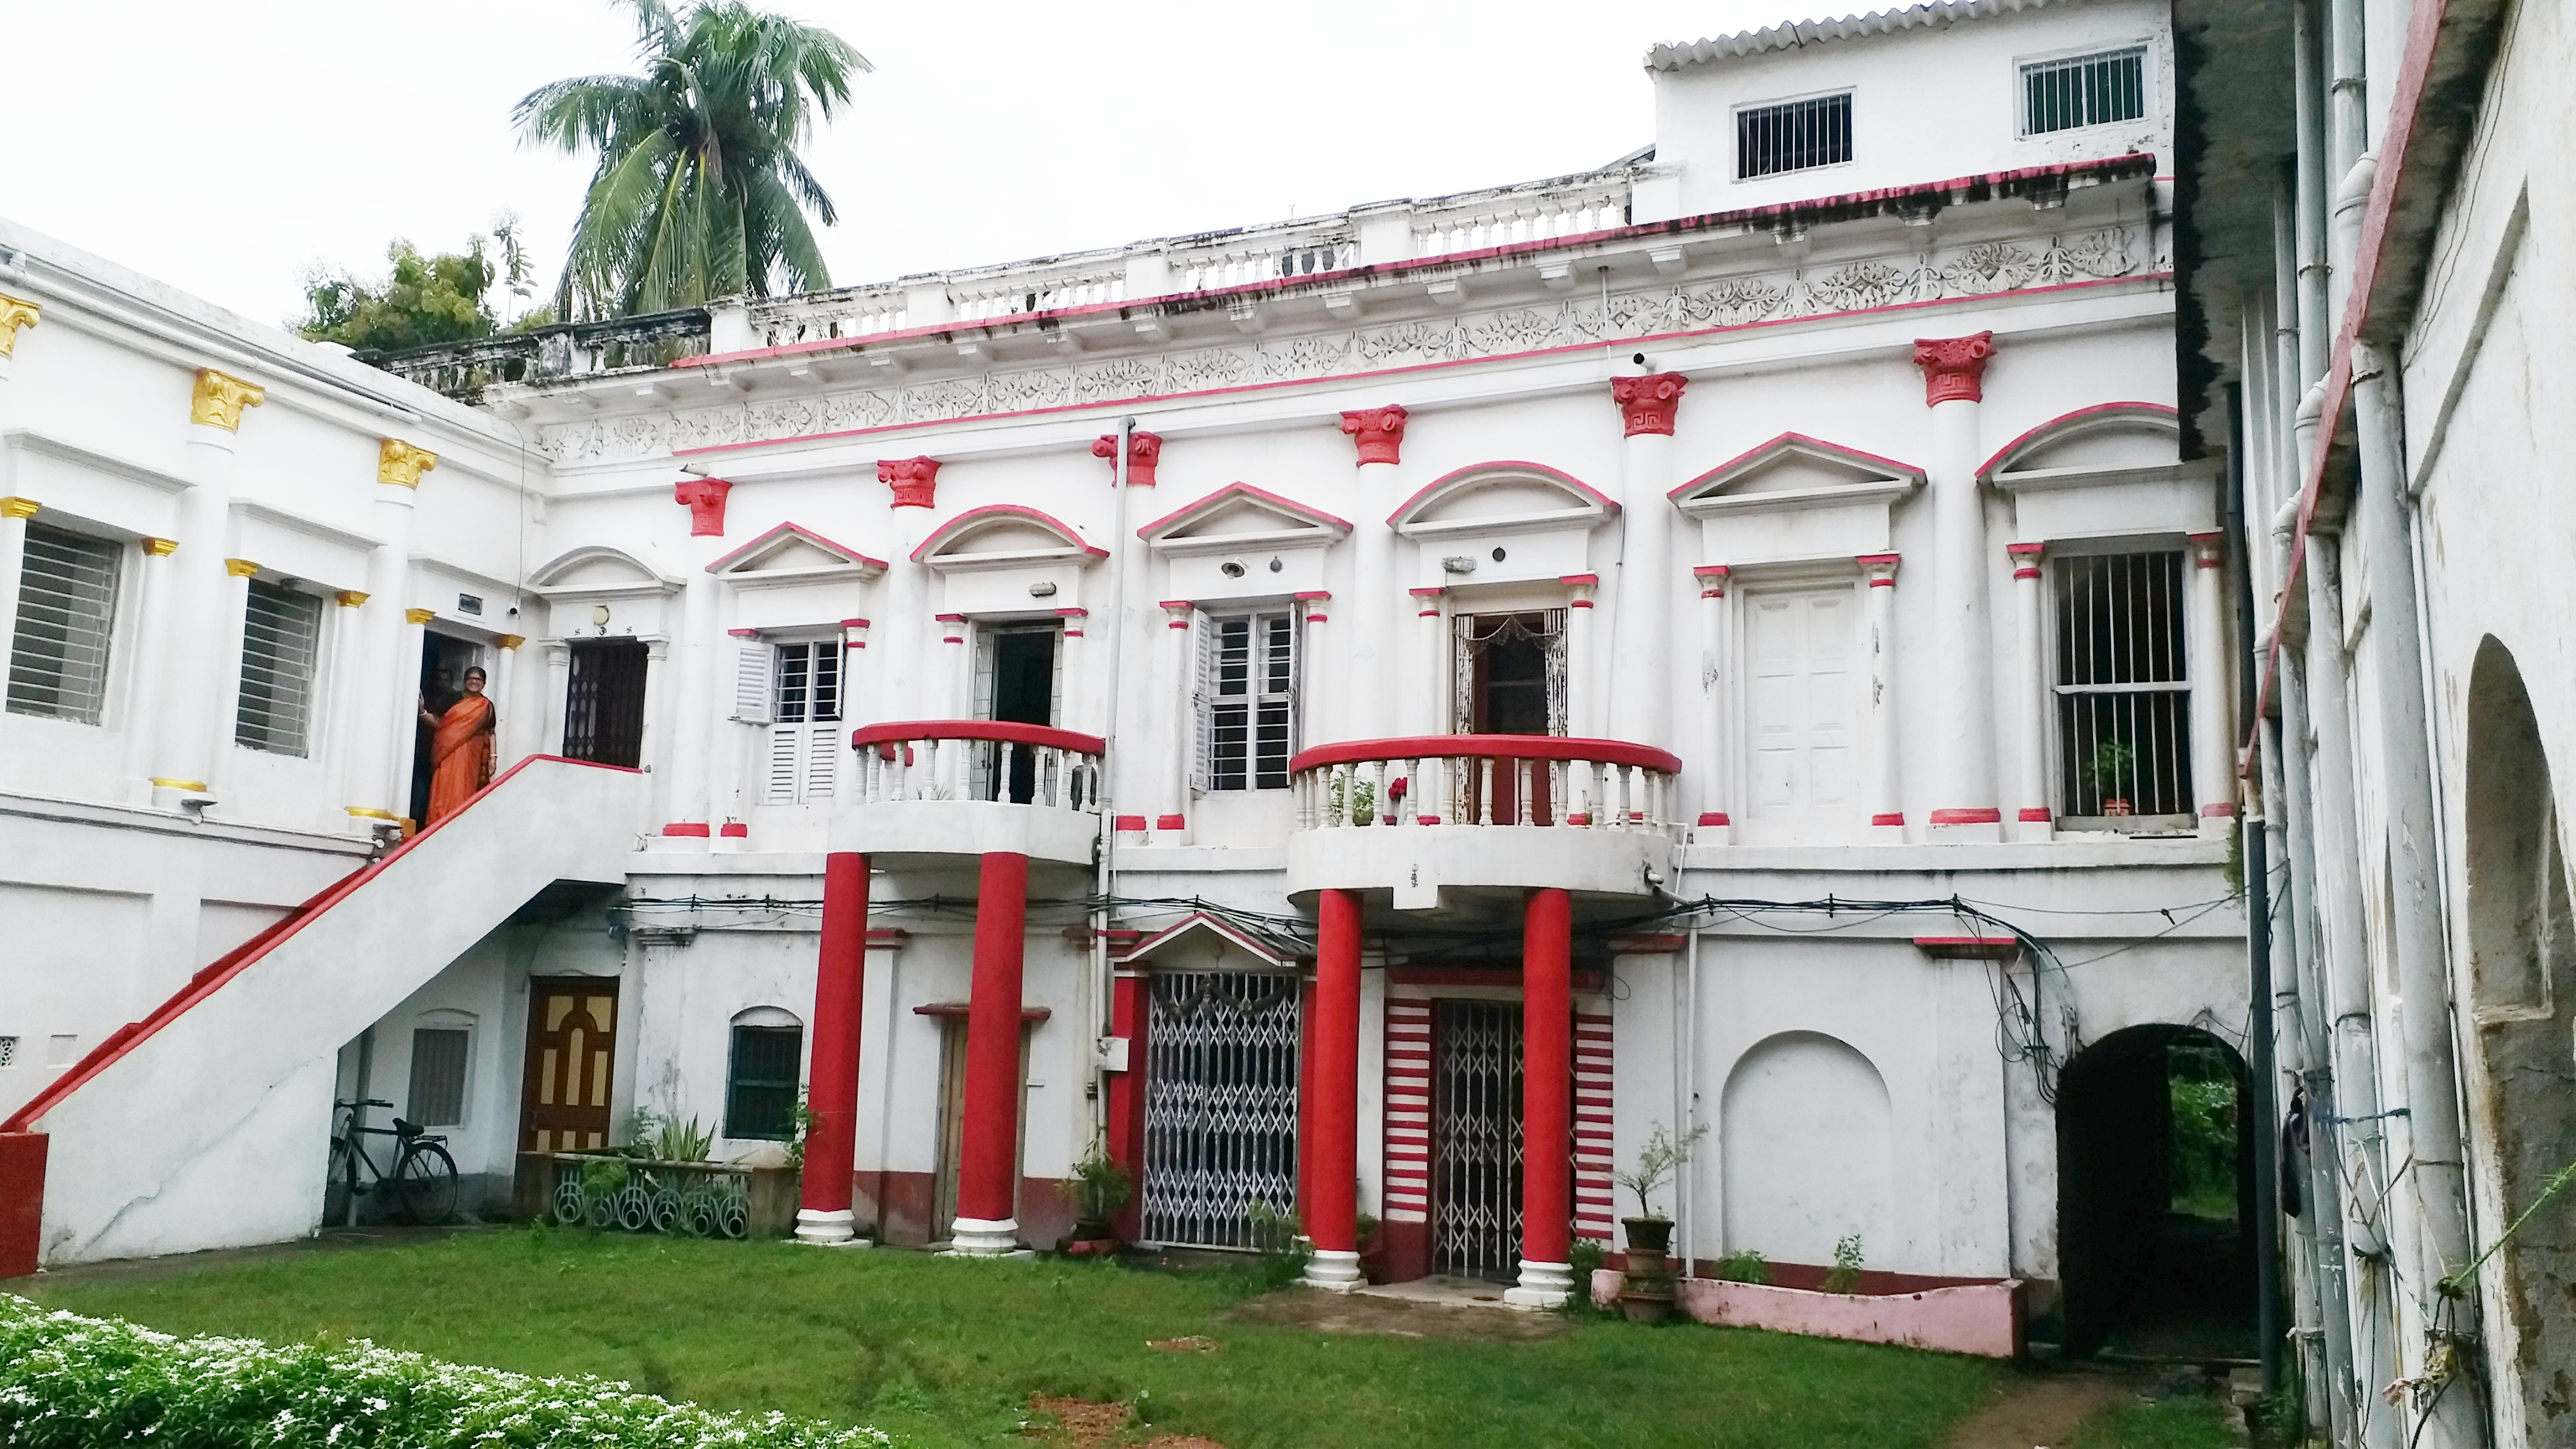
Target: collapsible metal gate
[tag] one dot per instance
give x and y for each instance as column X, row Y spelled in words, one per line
column 1220, row 1105
column 1476, row 1139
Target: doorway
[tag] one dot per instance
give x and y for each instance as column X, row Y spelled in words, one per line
column 2154, row 1194
column 572, row 1048
column 604, row 702
column 1220, row 1106
column 952, row 1120
column 443, row 662
column 1511, row 681
column 1015, row 682
column 1801, row 702
column 1476, row 1139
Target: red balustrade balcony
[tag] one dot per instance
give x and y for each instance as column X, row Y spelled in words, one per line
column 1420, row 813
column 966, row 787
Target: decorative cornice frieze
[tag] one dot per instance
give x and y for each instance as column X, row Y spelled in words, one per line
column 705, row 500
column 15, row 312
column 1378, row 431
column 401, row 464
column 1144, row 451
column 915, row 481
column 219, row 399
column 1954, row 368
column 1648, row 404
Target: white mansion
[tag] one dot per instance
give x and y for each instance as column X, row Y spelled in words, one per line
column 1741, row 638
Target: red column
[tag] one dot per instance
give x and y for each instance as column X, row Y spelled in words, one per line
column 1127, row 1097
column 989, row 1155
column 1547, row 1092
column 832, row 1082
column 1306, row 1070
column 1333, row 1190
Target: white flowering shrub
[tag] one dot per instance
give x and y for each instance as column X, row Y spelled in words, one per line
column 68, row 1382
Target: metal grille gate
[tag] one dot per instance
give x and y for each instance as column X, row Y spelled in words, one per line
column 1220, row 1105
column 1476, row 1139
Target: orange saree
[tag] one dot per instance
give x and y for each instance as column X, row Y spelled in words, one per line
column 460, row 756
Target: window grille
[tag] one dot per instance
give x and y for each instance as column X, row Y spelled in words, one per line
column 1793, row 136
column 437, row 1095
column 760, row 1083
column 66, row 612
column 1247, row 700
column 2123, row 694
column 604, row 702
column 8, row 1051
column 2088, row 90
column 281, row 637
column 805, row 713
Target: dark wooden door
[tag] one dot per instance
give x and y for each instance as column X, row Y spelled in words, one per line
column 572, row 1047
column 604, row 703
column 1508, row 695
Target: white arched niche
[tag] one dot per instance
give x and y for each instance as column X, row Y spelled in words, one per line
column 1805, row 1150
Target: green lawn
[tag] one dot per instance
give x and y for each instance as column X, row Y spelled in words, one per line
column 945, row 1353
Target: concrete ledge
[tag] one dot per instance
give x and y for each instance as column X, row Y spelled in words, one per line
column 1983, row 1319
column 893, row 833
column 1416, row 860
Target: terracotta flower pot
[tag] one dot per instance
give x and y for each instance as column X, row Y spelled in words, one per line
column 2116, row 807
column 1646, row 1286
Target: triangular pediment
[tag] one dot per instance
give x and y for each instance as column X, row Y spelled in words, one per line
column 597, row 569
column 793, row 553
column 1241, row 516
column 2107, row 438
column 1501, row 497
column 1002, row 534
column 1796, row 471
column 1202, row 941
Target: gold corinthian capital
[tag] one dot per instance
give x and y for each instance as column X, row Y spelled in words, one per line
column 219, row 400
column 401, row 464
column 15, row 312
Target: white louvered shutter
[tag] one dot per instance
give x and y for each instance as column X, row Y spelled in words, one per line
column 753, row 698
column 786, row 743
column 1203, row 647
column 823, row 728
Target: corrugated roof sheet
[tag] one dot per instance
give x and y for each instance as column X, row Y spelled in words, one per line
column 1940, row 14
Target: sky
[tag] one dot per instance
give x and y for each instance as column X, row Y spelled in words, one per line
column 230, row 149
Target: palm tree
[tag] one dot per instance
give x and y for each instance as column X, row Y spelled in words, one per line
column 699, row 191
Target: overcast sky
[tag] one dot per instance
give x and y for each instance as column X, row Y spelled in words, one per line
column 228, row 148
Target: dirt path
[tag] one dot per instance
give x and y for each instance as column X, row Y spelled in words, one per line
column 2039, row 1408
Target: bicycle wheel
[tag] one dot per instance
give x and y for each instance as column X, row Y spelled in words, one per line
column 335, row 1185
column 423, row 1186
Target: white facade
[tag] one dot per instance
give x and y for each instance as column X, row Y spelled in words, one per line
column 1650, row 462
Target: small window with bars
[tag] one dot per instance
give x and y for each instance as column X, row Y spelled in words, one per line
column 1793, row 136
column 795, row 689
column 2123, row 693
column 281, row 645
column 437, row 1095
column 66, row 613
column 760, row 1083
column 2085, row 90
column 1247, row 700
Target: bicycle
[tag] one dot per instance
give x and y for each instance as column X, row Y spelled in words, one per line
column 422, row 1185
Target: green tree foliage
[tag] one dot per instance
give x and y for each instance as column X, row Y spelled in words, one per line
column 699, row 191
column 423, row 300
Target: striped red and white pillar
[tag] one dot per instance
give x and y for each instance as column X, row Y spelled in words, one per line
column 1547, row 1101
column 832, row 1080
column 1334, row 1190
column 988, row 1166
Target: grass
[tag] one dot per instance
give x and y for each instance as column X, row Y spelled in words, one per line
column 945, row 1353
column 2189, row 1422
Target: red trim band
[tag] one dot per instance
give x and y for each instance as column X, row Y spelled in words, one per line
column 1972, row 816
column 2219, row 812
column 904, row 732
column 1170, row 822
column 1128, row 822
column 690, row 828
column 1713, row 817
column 734, row 830
column 1897, row 818
column 1488, row 747
column 2037, row 815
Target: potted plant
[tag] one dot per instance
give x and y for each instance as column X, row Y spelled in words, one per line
column 1100, row 1187
column 2110, row 772
column 1646, row 1286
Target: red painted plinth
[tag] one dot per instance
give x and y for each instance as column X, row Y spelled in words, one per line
column 1335, row 1166
column 22, row 1201
column 1127, row 1095
column 832, row 1083
column 1547, row 1076
column 987, row 1162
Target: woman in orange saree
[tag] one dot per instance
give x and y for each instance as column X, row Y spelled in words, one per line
column 460, row 751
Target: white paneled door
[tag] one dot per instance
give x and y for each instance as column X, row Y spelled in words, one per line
column 1803, row 704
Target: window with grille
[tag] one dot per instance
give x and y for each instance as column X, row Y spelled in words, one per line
column 796, row 690
column 66, row 612
column 1793, row 136
column 437, row 1095
column 281, row 641
column 8, row 1051
column 2088, row 90
column 2123, row 694
column 1247, row 700
column 760, row 1084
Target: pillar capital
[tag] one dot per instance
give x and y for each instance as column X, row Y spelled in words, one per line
column 1954, row 368
column 18, row 507
column 1144, row 450
column 1712, row 580
column 1879, row 569
column 705, row 500
column 419, row 616
column 1647, row 404
column 2025, row 558
column 2209, row 550
column 219, row 399
column 160, row 547
column 915, row 480
column 1319, row 604
column 1579, row 589
column 1426, row 602
column 401, row 464
column 1176, row 612
column 15, row 312
column 349, row 599
column 241, row 568
column 509, row 641
column 1379, row 431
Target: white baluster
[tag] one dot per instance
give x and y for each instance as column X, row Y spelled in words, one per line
column 1521, row 775
column 1377, row 793
column 1485, row 795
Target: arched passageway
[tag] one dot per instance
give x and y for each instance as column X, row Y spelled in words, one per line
column 2154, row 1169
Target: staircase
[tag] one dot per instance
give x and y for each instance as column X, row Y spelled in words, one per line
column 207, row 1123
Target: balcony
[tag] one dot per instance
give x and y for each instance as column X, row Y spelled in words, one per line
column 929, row 792
column 1418, row 815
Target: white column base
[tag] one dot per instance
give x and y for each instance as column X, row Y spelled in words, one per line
column 1333, row 1270
column 1982, row 833
column 1542, row 1285
column 983, row 1237
column 691, row 844
column 1713, row 834
column 2218, row 827
column 2034, row 832
column 1886, row 834
column 835, row 1229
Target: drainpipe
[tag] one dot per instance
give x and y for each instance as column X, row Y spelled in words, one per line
column 2310, row 230
column 2269, row 810
column 1686, row 1190
column 2258, row 943
column 2420, row 950
column 1097, row 1009
column 2347, row 130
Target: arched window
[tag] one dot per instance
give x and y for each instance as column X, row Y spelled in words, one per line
column 763, row 1072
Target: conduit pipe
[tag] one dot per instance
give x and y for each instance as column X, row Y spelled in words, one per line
column 1097, row 1009
column 2269, row 810
column 2260, row 1025
column 2314, row 345
column 1687, row 1186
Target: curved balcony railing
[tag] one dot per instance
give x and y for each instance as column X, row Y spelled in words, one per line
column 979, row 759
column 1485, row 780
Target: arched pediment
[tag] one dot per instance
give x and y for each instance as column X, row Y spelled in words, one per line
column 1004, row 535
column 794, row 554
column 1240, row 516
column 1501, row 498
column 1795, row 471
column 2105, row 438
column 599, row 569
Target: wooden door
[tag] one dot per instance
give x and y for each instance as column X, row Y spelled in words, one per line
column 1509, row 693
column 604, row 702
column 1802, row 700
column 572, row 1044
column 952, row 1122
